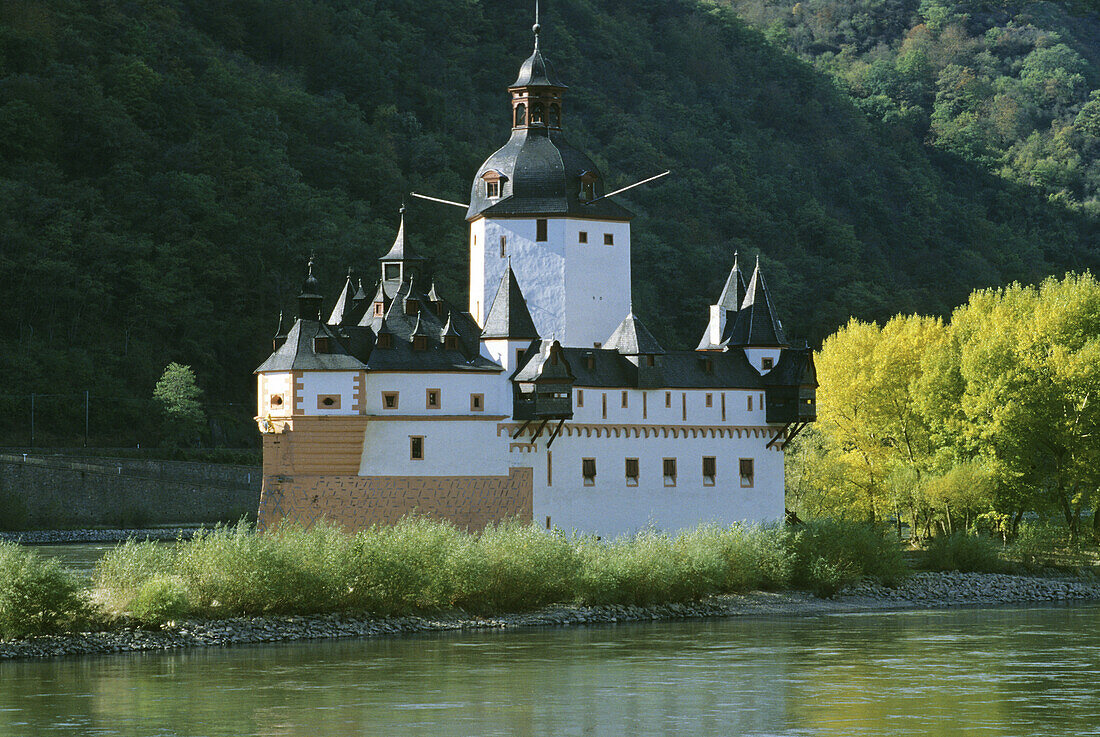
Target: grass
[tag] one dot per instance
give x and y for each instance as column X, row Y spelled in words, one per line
column 423, row 566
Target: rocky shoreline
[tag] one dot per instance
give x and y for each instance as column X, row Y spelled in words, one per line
column 105, row 535
column 919, row 591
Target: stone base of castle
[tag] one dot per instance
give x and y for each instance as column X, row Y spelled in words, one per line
column 310, row 474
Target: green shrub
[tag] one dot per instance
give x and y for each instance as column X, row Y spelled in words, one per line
column 964, row 552
column 120, row 574
column 1039, row 544
column 516, row 567
column 159, row 600
column 37, row 596
column 848, row 551
column 756, row 557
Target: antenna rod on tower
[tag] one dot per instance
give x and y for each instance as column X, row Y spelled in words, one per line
column 630, row 186
column 436, row 199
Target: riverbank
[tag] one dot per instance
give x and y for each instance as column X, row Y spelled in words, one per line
column 919, row 591
column 100, row 535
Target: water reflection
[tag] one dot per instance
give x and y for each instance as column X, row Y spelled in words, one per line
column 1000, row 672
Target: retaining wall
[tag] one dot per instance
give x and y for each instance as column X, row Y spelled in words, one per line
column 46, row 492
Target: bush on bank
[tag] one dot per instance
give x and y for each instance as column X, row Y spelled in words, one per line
column 37, row 596
column 422, row 565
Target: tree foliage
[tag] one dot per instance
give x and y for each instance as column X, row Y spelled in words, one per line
column 178, row 394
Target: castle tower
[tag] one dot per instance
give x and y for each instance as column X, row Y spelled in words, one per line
column 536, row 202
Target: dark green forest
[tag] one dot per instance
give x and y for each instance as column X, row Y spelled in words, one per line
column 167, row 167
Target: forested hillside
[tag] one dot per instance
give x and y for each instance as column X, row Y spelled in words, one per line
column 167, row 166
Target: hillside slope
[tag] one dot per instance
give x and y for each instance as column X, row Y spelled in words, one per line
column 167, row 166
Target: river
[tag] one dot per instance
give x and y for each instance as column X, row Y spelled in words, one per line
column 1012, row 672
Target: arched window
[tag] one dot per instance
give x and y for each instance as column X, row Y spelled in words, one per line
column 536, row 114
column 521, row 115
column 555, row 115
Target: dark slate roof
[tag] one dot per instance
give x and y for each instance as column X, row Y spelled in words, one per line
column 677, row 370
column 537, row 72
column 541, row 173
column 756, row 323
column 509, row 316
column 632, row 338
column 733, row 293
column 795, row 367
column 297, row 353
column 343, row 306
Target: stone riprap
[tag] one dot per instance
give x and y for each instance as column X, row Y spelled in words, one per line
column 61, row 537
column 920, row 591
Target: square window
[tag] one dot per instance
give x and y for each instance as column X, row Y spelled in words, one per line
column 608, row 239
column 631, row 471
column 540, row 230
column 328, row 401
column 492, row 189
column 477, row 402
column 433, row 399
column 746, row 469
column 392, row 271
column 626, row 399
column 582, row 237
column 669, row 469
column 389, row 400
column 416, row 447
column 710, row 468
column 767, row 363
column 588, row 470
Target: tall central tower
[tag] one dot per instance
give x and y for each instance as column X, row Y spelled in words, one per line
column 535, row 204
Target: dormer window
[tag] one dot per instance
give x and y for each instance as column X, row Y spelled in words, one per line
column 494, row 182
column 321, row 344
column 379, row 309
column 412, row 306
column 420, row 342
column 588, row 185
column 385, row 340
column 450, row 343
column 767, row 363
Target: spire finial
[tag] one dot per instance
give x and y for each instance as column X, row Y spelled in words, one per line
column 401, row 209
column 312, row 258
column 537, row 28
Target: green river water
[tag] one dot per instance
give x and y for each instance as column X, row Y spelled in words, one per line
column 1013, row 672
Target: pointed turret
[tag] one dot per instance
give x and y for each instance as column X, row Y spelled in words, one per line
column 342, row 309
column 632, row 338
column 509, row 317
column 401, row 262
column 280, row 334
column 724, row 312
column 310, row 299
column 756, row 325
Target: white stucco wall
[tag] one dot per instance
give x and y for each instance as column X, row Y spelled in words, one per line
column 577, row 293
column 610, row 507
column 451, row 448
column 455, row 390
column 757, row 355
column 314, row 384
column 269, row 385
column 737, row 406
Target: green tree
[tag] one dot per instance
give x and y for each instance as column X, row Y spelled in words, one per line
column 178, row 395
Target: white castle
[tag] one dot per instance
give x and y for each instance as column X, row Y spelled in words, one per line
column 547, row 399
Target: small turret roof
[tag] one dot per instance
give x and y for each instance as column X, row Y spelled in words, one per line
column 509, row 317
column 733, row 293
column 343, row 304
column 756, row 323
column 632, row 338
column 400, row 250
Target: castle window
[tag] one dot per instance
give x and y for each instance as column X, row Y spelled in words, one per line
column 580, row 397
column 521, row 115
column 710, row 470
column 519, row 356
column 276, row 400
column 477, row 402
column 420, row 342
column 604, row 412
column 588, row 471
column 320, row 344
column 651, row 361
column 669, row 469
column 432, row 399
column 503, row 246
column 379, row 309
column 626, row 396
column 391, row 271
column 708, row 366
column 631, row 471
column 710, row 400
column 385, row 340
column 416, row 447
column 540, row 229
column 411, row 306
column 536, row 114
column 609, row 239
column 450, row 342
column 589, row 361
column 492, row 189
column 746, row 468
column 767, row 363
column 389, row 400
column 668, row 400
column 582, row 237
column 555, row 115
column 750, row 403
column 328, row 401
